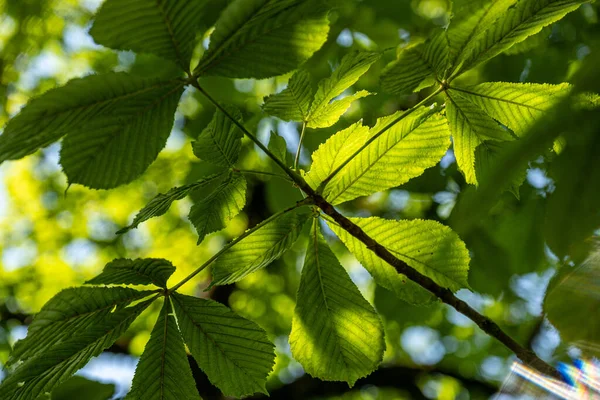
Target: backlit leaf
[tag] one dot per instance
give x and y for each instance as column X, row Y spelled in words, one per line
column 142, row 271
column 220, row 142
column 234, row 352
column 336, row 334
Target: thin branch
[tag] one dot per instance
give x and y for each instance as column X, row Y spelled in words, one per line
column 444, row 294
column 297, row 158
column 255, row 172
column 249, row 232
column 293, row 175
column 372, row 139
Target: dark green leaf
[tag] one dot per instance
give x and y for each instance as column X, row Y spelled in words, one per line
column 163, row 372
column 162, row 27
column 142, row 271
column 214, row 212
column 293, row 103
column 220, row 142
column 264, row 38
column 336, row 334
column 234, row 352
column 160, row 204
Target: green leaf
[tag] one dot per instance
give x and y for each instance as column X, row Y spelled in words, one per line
column 79, row 387
column 429, row 247
column 264, row 38
column 161, row 203
column 278, row 146
column 525, row 19
column 220, row 142
column 470, row 18
column 572, row 304
column 323, row 111
column 163, row 372
column 516, row 105
column 331, row 113
column 293, row 103
column 336, row 334
column 54, row 365
column 470, row 128
column 82, row 104
column 415, row 64
column 165, row 28
column 234, row 352
column 71, row 313
column 259, row 249
column 142, row 271
column 214, row 212
column 122, row 133
column 488, row 155
column 402, row 152
column 573, row 214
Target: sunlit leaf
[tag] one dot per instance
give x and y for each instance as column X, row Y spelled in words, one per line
column 429, row 247
column 234, row 352
column 324, row 112
column 402, row 152
column 470, row 128
column 259, row 249
column 336, row 334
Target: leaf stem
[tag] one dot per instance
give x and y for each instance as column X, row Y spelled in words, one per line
column 293, row 175
column 372, row 139
column 297, row 158
column 256, row 172
column 249, row 232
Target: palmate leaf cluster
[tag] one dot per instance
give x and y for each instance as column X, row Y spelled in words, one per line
column 113, row 126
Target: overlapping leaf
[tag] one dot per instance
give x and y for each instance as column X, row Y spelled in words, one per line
column 526, row 18
column 160, row 204
column 259, row 249
column 470, row 128
column 576, row 319
column 429, row 247
column 142, row 271
column 336, row 334
column 220, row 142
column 71, row 313
column 264, row 38
column 214, row 212
column 278, row 146
column 470, row 18
column 42, row 372
column 324, row 112
column 163, row 372
column 234, row 352
column 165, row 28
column 573, row 213
column 417, row 65
column 402, row 152
column 293, row 103
column 516, row 105
column 117, row 123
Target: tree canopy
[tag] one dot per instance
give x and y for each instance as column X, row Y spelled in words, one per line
column 296, row 198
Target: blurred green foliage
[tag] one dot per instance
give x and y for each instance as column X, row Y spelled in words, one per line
column 52, row 236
